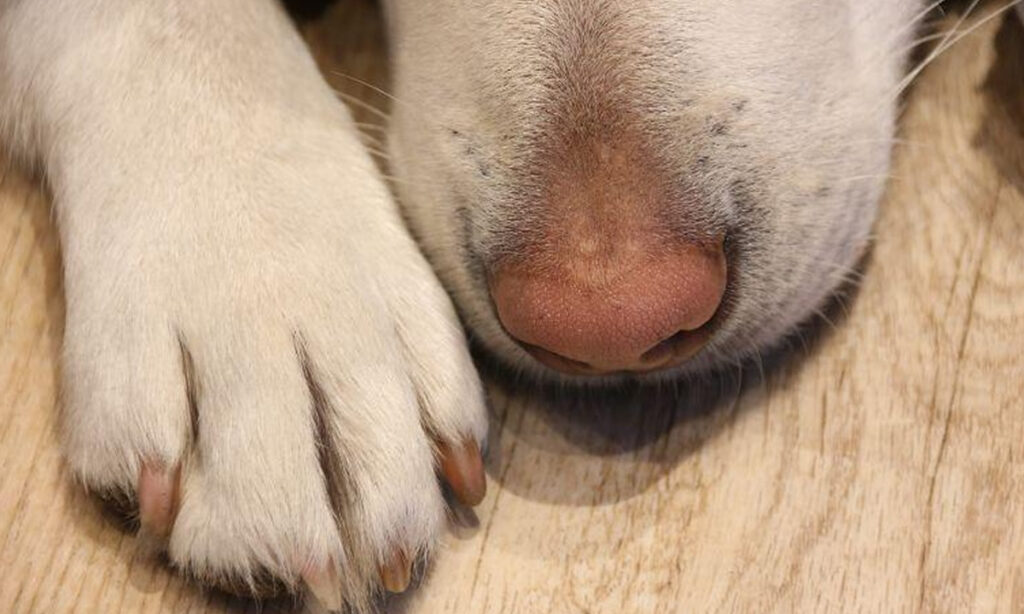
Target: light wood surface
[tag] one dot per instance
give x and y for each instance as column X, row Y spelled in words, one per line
column 878, row 468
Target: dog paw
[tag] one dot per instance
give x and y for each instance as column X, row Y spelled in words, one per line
column 259, row 356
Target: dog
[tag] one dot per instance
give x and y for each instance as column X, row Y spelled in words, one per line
column 264, row 345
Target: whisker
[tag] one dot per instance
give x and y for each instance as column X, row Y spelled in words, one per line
column 954, row 36
column 365, row 84
column 377, row 153
column 917, row 19
column 886, row 176
column 355, row 101
column 374, row 141
column 371, row 126
column 417, row 109
column 759, row 360
column 397, row 180
column 818, row 312
column 920, row 41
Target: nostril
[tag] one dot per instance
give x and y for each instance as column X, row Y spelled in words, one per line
column 678, row 348
column 671, row 352
column 559, row 362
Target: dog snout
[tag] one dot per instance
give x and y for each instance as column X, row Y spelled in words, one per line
column 611, row 284
column 602, row 232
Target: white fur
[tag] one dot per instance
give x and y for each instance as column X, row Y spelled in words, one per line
column 212, row 194
column 807, row 90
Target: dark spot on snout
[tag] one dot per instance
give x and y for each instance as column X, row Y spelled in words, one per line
column 472, row 151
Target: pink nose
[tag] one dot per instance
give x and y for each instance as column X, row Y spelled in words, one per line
column 644, row 311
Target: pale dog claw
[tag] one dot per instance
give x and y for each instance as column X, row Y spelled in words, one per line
column 324, row 585
column 158, row 492
column 396, row 573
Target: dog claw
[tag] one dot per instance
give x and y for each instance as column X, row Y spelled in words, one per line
column 396, row 573
column 463, row 469
column 158, row 493
column 324, row 585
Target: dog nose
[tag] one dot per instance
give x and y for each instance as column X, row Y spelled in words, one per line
column 643, row 310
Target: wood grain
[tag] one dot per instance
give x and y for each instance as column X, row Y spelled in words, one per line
column 877, row 468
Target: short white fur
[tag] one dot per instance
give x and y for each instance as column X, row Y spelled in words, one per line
column 213, row 198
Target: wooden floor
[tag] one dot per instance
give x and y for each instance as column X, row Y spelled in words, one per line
column 878, row 469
